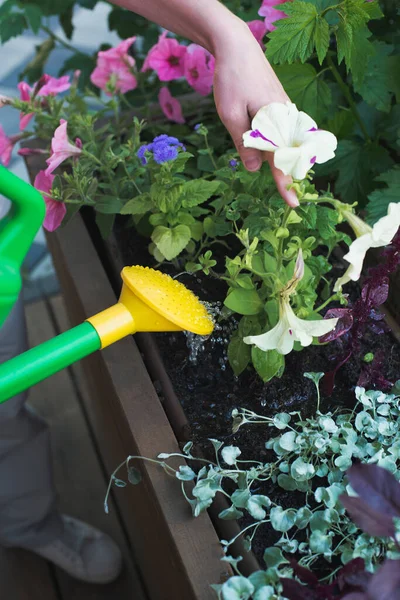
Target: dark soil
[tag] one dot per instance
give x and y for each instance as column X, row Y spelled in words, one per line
column 208, row 389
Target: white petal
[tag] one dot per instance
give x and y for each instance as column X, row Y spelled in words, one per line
column 303, row 125
column 306, row 330
column 257, row 142
column 325, row 144
column 386, row 228
column 356, row 255
column 272, row 121
column 279, row 338
column 286, row 160
column 343, row 280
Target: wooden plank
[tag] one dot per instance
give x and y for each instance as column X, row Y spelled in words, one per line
column 79, row 480
column 25, row 576
column 129, row 419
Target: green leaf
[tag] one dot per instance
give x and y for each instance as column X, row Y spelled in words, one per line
column 240, row 498
column 185, row 473
column 321, row 38
column 320, row 542
column 171, row 241
column 244, row 302
column 230, row 454
column 268, row 364
column 301, row 470
column 108, row 205
column 11, row 26
column 273, row 557
column 230, row 513
column 352, row 37
column 34, row 16
column 134, row 476
column 293, row 38
column 286, row 482
column 379, row 200
column 356, row 165
column 303, row 517
column 379, row 82
column 197, row 191
column 287, row 441
column 239, row 354
column 255, row 506
column 66, row 21
column 237, row 588
column 306, row 89
column 282, row 520
column 105, row 223
column 138, row 206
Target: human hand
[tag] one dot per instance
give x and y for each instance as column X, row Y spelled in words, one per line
column 244, row 82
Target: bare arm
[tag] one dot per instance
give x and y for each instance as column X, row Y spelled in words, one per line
column 244, row 80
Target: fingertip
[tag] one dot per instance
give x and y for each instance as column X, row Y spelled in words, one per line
column 291, row 199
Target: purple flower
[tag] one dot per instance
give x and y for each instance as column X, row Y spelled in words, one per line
column 164, row 148
column 233, row 164
column 197, row 127
column 163, row 153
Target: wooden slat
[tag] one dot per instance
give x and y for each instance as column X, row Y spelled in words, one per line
column 128, row 418
column 79, row 480
column 25, row 576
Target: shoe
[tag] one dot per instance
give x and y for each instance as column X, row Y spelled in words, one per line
column 84, row 552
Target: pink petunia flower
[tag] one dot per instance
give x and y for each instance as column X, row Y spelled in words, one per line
column 6, row 147
column 46, row 86
column 61, row 148
column 115, row 65
column 170, row 106
column 55, row 211
column 166, row 58
column 258, row 29
column 199, row 69
column 271, row 13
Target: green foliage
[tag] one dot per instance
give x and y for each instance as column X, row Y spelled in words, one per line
column 380, row 199
column 309, row 456
column 306, row 88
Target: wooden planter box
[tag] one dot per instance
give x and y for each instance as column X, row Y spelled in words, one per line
column 178, row 555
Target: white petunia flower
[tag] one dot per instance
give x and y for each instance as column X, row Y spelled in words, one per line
column 290, row 328
column 293, row 136
column 381, row 234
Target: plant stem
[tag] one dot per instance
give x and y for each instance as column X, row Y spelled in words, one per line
column 347, row 94
column 330, row 299
column 61, row 41
column 285, row 218
column 210, row 152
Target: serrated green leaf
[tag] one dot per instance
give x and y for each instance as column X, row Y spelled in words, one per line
column 12, row 25
column 171, row 241
column 66, row 21
column 34, row 16
column 321, row 38
column 379, row 82
column 138, row 206
column 306, row 89
column 198, row 191
column 268, row 364
column 105, row 223
column 352, row 36
column 380, row 199
column 357, row 164
column 293, row 38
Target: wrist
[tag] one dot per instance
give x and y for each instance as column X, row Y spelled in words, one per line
column 228, row 35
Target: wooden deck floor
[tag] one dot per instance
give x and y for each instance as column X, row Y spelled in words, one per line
column 80, row 478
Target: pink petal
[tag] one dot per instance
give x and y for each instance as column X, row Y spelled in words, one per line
column 55, row 213
column 25, row 91
column 24, row 120
column 199, row 69
column 55, row 86
column 170, row 106
column 6, row 148
column 43, row 182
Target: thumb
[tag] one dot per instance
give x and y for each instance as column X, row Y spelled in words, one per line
column 282, row 181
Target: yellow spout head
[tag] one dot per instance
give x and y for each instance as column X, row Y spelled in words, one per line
column 151, row 301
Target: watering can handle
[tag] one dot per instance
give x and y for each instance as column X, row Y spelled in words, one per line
column 17, row 232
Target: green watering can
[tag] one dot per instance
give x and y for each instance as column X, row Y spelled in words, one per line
column 149, row 301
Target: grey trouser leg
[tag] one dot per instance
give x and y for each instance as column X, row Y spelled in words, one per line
column 28, row 515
